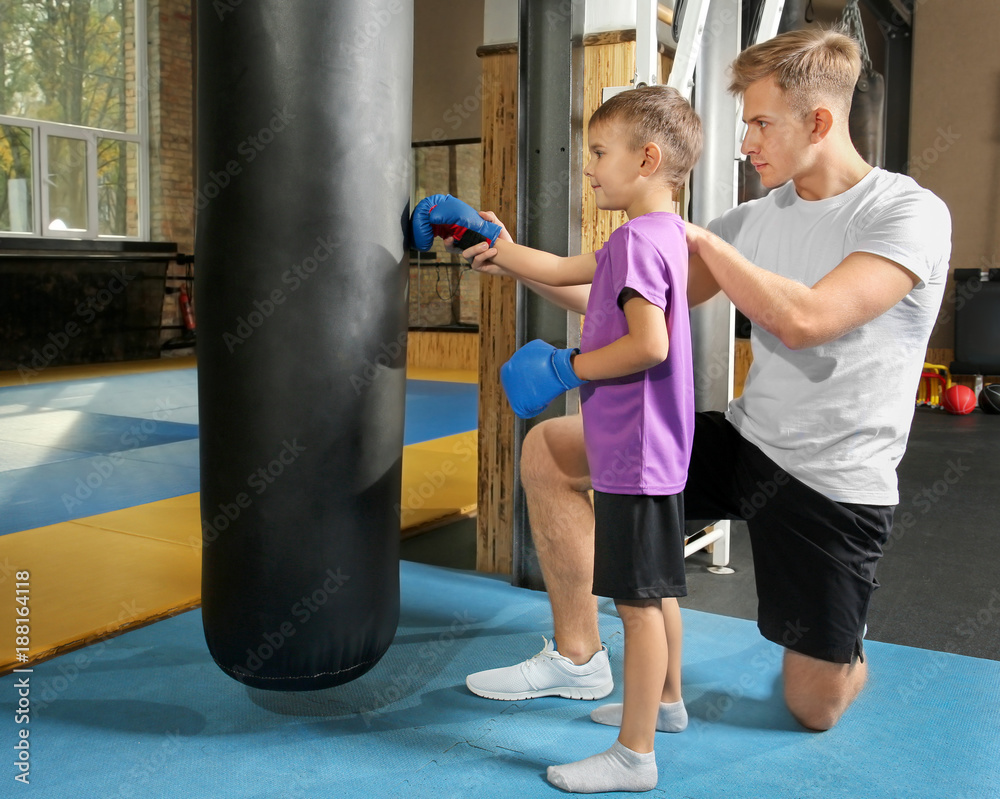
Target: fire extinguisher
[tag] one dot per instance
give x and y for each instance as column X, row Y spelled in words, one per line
column 187, row 312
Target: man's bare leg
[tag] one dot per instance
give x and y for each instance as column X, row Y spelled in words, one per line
column 818, row 692
column 556, row 479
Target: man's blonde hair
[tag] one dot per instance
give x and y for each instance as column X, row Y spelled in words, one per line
column 811, row 67
column 660, row 115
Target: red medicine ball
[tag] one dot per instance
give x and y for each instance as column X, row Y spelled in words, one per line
column 959, row 400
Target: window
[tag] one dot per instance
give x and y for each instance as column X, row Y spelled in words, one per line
column 444, row 291
column 72, row 119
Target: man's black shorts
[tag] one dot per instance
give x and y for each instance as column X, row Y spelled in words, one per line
column 638, row 546
column 814, row 559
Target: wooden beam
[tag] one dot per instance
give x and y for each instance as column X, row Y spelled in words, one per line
column 497, row 319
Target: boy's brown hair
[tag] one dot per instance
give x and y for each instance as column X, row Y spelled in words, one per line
column 660, row 115
column 811, row 67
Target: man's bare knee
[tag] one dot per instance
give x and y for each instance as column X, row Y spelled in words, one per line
column 818, row 693
column 813, row 715
column 553, row 456
column 537, row 462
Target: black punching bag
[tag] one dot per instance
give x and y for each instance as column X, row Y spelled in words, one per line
column 867, row 118
column 303, row 171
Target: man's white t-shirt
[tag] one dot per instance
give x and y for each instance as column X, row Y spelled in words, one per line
column 837, row 416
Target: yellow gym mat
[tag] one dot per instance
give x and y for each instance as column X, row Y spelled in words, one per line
column 103, row 575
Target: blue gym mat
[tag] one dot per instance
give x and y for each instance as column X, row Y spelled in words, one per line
column 83, row 447
column 148, row 714
column 435, row 409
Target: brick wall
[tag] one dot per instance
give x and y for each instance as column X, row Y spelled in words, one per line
column 170, row 92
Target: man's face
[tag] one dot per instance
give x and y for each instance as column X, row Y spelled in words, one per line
column 777, row 140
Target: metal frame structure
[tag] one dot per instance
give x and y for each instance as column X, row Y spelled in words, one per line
column 895, row 20
column 550, row 174
column 42, row 131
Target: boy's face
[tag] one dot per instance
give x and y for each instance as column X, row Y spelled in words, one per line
column 613, row 168
column 777, row 140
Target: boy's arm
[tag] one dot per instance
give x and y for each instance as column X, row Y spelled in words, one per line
column 644, row 346
column 446, row 216
column 538, row 372
column 526, row 263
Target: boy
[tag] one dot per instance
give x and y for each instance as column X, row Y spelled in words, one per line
column 635, row 375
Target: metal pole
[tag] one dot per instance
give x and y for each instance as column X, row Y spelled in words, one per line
column 549, row 203
column 713, row 191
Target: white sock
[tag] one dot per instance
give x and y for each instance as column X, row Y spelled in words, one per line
column 672, row 716
column 617, row 769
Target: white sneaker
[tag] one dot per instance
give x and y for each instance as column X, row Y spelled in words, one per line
column 546, row 674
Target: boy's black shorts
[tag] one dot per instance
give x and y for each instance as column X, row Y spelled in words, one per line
column 814, row 559
column 638, row 546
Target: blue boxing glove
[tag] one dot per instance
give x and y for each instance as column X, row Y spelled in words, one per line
column 446, row 216
column 535, row 375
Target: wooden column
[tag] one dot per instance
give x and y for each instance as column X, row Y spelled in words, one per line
column 609, row 60
column 494, row 547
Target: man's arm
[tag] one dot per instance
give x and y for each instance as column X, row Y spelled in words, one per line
column 861, row 288
column 702, row 286
column 527, row 263
column 569, row 298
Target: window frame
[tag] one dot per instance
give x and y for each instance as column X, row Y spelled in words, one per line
column 41, row 130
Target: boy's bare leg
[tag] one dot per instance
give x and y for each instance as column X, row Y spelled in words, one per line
column 818, row 692
column 672, row 714
column 630, row 764
column 556, row 479
column 674, row 629
column 646, row 656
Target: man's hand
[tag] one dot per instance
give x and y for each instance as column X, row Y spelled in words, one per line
column 481, row 255
column 694, row 235
column 702, row 285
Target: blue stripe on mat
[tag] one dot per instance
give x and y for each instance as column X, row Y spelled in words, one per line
column 149, row 714
column 147, row 395
column 83, row 447
column 436, row 409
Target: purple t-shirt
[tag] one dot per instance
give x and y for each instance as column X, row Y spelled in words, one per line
column 638, row 429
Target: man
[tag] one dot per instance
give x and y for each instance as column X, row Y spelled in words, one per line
column 841, row 268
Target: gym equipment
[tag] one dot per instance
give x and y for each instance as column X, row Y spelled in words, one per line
column 959, row 400
column 977, row 324
column 867, row 117
column 448, row 217
column 303, row 153
column 535, row 375
column 934, row 380
column 989, row 398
